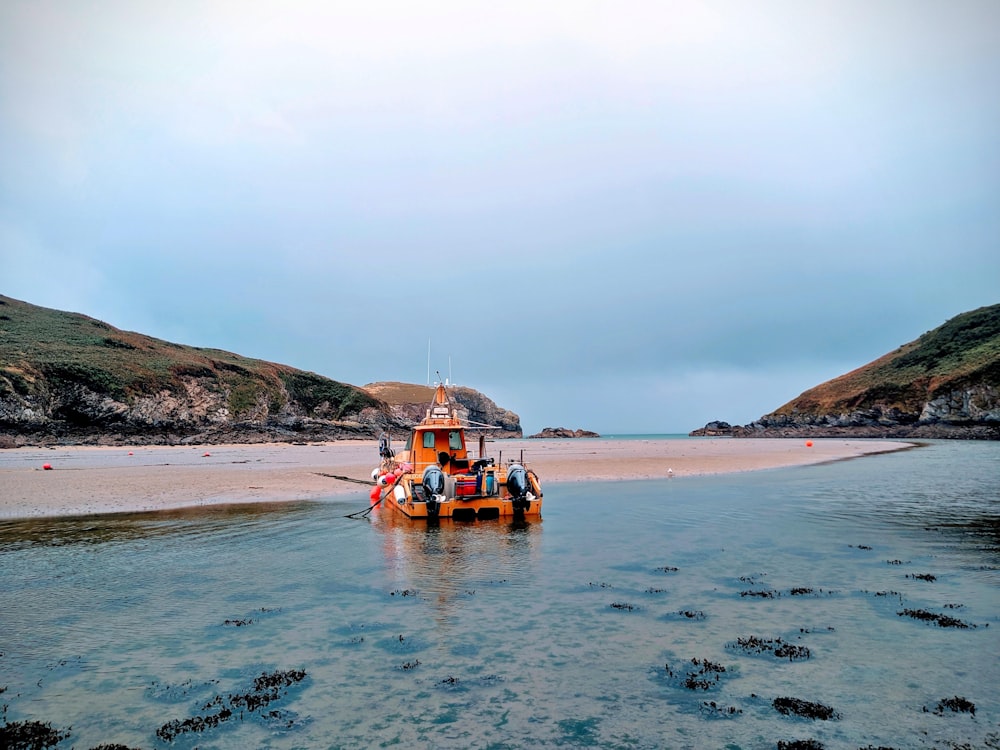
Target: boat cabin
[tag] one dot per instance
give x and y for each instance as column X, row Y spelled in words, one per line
column 444, row 445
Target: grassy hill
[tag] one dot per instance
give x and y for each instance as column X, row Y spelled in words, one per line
column 946, row 383
column 65, row 375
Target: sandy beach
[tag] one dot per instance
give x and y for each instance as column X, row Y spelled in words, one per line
column 93, row 480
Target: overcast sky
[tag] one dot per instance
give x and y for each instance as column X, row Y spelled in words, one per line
column 617, row 216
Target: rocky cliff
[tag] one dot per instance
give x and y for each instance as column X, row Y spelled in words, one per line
column 408, row 403
column 945, row 384
column 67, row 378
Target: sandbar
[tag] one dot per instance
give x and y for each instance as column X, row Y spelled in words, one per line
column 88, row 480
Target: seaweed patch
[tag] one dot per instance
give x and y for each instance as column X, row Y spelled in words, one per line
column 782, row 649
column 943, row 621
column 691, row 614
column 30, row 735
column 761, row 593
column 704, row 675
column 956, row 705
column 240, row 622
column 807, row 709
column 267, row 688
column 718, row 711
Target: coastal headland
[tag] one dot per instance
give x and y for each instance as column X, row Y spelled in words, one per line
column 86, row 480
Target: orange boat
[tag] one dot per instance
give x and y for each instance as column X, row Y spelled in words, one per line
column 435, row 476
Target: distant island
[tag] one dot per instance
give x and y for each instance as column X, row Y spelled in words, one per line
column 945, row 384
column 562, row 432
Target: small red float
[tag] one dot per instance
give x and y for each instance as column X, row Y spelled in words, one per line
column 47, row 467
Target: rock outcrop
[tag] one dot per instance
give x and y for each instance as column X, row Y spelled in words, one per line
column 946, row 384
column 562, row 432
column 408, row 403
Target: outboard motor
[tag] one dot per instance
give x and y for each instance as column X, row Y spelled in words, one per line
column 518, row 487
column 432, row 485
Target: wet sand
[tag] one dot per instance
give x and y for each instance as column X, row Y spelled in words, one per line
column 92, row 480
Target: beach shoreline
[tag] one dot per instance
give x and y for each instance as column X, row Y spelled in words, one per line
column 90, row 480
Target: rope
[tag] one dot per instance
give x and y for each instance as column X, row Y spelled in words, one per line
column 343, row 479
column 364, row 513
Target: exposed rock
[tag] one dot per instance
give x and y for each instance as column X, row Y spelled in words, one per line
column 562, row 432
column 713, row 429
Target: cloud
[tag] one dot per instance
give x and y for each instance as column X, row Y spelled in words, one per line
column 685, row 195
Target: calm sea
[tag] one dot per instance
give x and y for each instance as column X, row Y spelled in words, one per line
column 853, row 604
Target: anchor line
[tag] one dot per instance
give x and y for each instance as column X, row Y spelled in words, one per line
column 364, row 513
column 342, row 478
column 359, row 513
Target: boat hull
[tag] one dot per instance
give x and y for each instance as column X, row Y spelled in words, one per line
column 401, row 498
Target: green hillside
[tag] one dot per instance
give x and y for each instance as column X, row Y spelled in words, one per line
column 964, row 351
column 945, row 384
column 62, row 371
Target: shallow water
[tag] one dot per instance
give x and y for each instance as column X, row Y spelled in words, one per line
column 578, row 630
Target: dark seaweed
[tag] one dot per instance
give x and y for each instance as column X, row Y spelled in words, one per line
column 944, row 621
column 704, row 677
column 782, row 649
column 713, row 709
column 761, row 594
column 30, row 735
column 957, row 705
column 267, row 687
column 808, row 709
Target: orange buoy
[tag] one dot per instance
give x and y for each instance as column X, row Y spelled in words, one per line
column 376, row 491
column 47, row 467
column 809, row 443
column 206, row 454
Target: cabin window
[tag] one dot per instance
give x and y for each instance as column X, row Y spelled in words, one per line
column 409, row 442
column 428, row 439
column 455, row 440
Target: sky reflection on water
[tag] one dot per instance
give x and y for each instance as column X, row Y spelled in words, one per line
column 576, row 630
